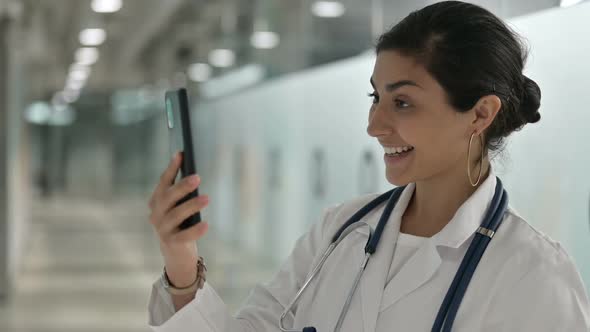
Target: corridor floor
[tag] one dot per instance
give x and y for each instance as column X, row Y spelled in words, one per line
column 89, row 266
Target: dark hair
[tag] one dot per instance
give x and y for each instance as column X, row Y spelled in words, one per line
column 471, row 53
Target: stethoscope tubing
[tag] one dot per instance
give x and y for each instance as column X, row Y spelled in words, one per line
column 450, row 305
column 452, row 301
column 318, row 266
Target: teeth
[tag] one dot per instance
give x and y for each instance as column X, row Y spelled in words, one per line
column 395, row 150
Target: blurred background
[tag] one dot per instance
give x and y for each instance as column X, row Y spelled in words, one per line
column 279, row 112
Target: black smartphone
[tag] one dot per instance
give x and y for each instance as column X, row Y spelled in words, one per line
column 181, row 140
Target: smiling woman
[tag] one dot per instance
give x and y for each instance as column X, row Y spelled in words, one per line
column 443, row 250
column 442, row 81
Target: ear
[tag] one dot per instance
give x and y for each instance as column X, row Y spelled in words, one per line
column 485, row 111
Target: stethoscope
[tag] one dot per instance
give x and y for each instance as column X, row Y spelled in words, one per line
column 450, row 305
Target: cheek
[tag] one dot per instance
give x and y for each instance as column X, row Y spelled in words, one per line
column 436, row 141
column 421, row 132
column 447, row 149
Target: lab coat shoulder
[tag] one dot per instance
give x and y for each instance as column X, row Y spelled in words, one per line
column 537, row 286
column 266, row 302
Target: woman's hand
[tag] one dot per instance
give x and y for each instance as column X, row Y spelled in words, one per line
column 178, row 247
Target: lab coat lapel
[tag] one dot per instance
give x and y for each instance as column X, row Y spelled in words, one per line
column 374, row 278
column 469, row 216
column 415, row 272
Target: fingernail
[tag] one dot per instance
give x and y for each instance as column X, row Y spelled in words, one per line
column 194, row 179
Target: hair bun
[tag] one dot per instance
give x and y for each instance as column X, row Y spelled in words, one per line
column 531, row 100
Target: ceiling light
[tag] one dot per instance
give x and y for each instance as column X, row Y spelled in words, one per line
column 328, row 8
column 38, row 112
column 199, row 72
column 86, row 56
column 106, row 6
column 92, row 37
column 264, row 39
column 77, row 66
column 222, row 58
column 70, row 95
column 79, row 74
column 75, row 85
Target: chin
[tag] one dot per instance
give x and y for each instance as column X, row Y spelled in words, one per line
column 398, row 180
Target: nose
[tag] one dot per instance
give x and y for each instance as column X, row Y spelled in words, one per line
column 379, row 123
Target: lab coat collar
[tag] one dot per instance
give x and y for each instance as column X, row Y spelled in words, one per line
column 469, row 216
column 463, row 224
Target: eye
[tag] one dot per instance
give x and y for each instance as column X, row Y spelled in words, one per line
column 375, row 97
column 400, row 104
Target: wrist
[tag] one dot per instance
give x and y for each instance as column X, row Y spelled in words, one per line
column 181, row 276
column 197, row 283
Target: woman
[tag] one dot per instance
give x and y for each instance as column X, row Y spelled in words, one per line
column 448, row 88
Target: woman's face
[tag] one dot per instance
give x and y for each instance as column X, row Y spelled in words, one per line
column 410, row 109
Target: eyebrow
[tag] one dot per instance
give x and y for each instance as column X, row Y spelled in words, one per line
column 389, row 87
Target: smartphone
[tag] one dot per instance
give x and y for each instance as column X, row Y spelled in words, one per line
column 181, row 139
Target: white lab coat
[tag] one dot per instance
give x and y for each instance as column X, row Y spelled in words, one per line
column 524, row 282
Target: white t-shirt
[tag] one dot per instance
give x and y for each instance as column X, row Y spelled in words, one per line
column 407, row 245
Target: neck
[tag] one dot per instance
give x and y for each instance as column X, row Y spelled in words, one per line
column 436, row 200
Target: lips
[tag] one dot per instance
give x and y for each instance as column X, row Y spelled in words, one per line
column 398, row 159
column 397, row 150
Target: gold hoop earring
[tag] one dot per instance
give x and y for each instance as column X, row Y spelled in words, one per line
column 469, row 159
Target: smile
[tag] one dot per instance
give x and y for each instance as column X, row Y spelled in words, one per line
column 397, row 150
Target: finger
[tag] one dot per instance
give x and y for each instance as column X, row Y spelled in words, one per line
column 192, row 233
column 175, row 193
column 176, row 216
column 168, row 200
column 166, row 178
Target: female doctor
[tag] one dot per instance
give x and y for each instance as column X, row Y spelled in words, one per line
column 447, row 89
